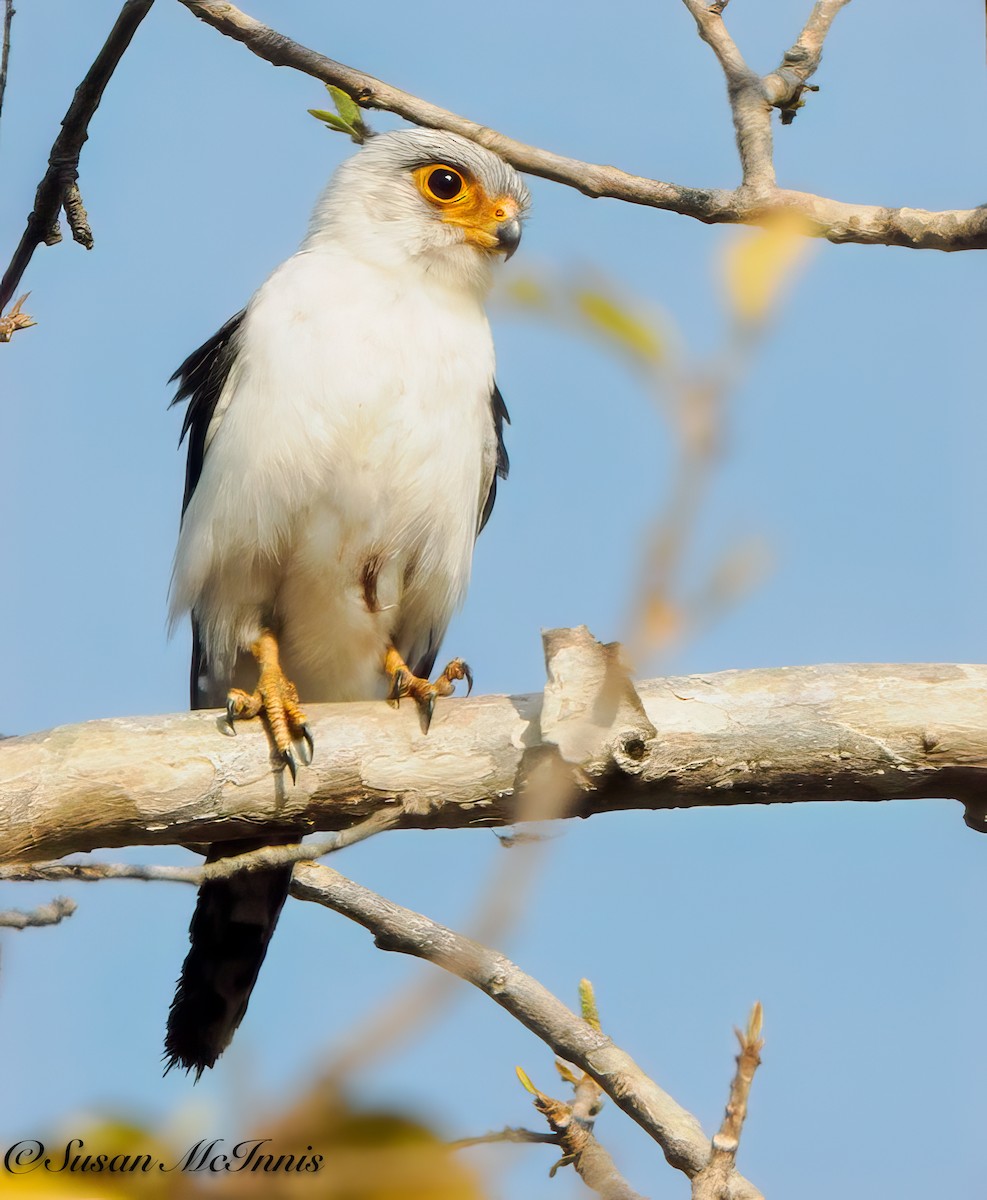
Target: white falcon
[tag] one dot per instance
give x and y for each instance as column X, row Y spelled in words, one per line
column 345, row 438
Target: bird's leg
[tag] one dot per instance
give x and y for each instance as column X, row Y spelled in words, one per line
column 405, row 683
column 276, row 698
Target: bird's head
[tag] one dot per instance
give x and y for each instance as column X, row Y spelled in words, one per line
column 428, row 200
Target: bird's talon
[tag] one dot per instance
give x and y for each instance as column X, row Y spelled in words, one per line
column 288, row 755
column 399, row 687
column 309, row 743
column 426, row 707
column 231, row 715
column 469, row 678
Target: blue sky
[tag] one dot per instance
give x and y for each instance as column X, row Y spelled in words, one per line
column 854, row 452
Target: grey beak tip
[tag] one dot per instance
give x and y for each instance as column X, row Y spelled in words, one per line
column 509, row 237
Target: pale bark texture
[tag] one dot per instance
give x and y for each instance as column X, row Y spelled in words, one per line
column 864, row 732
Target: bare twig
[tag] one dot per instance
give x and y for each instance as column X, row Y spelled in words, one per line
column 831, row 219
column 713, row 1182
column 235, row 864
column 785, row 86
column 59, row 187
column 44, row 914
column 748, row 103
column 399, row 929
column 8, row 17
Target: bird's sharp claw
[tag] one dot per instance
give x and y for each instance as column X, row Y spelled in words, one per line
column 468, row 674
column 291, row 763
column 427, row 708
column 399, row 686
column 309, row 743
column 231, row 715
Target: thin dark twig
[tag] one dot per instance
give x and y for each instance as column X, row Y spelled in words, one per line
column 8, row 16
column 59, row 185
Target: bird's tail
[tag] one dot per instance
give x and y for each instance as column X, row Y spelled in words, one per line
column 230, row 931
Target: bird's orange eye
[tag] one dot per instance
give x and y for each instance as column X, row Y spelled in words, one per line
column 443, row 183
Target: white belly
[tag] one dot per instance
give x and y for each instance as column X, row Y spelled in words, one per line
column 342, row 485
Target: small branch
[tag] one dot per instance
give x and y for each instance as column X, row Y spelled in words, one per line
column 253, row 860
column 709, row 22
column 830, row 219
column 399, row 929
column 784, row 87
column 8, row 17
column 713, row 1182
column 44, row 914
column 877, row 732
column 59, row 187
column 573, row 1122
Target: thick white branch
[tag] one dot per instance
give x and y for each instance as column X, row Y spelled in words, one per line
column 869, row 732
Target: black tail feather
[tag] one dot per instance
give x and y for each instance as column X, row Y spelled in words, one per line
column 231, row 927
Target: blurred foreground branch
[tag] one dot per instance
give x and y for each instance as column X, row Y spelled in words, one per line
column 752, row 99
column 870, row 732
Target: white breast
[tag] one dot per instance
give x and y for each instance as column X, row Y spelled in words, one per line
column 353, row 446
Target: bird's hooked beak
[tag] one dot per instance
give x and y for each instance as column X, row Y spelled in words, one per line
column 508, row 236
column 490, row 225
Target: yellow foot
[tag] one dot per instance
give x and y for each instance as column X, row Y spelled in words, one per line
column 404, row 683
column 276, row 699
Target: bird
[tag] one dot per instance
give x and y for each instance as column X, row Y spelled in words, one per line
column 345, row 438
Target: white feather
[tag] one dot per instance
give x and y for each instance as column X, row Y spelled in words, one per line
column 355, row 427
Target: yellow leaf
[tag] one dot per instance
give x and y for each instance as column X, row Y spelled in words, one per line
column 526, row 1082
column 758, row 264
column 619, row 324
column 527, row 292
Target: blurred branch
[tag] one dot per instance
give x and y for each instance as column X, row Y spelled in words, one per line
column 59, row 187
column 399, row 929
column 44, row 914
column 750, row 204
column 713, row 1181
column 517, row 1136
column 872, row 732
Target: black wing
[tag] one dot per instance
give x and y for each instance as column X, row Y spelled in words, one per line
column 200, row 381
column 500, row 414
column 498, row 409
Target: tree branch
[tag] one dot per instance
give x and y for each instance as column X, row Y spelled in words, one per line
column 8, row 17
column 399, row 929
column 748, row 103
column 738, row 737
column 713, row 1180
column 59, row 187
column 784, row 87
column 45, row 914
column 830, row 219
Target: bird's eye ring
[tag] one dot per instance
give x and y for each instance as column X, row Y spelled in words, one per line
column 443, row 183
